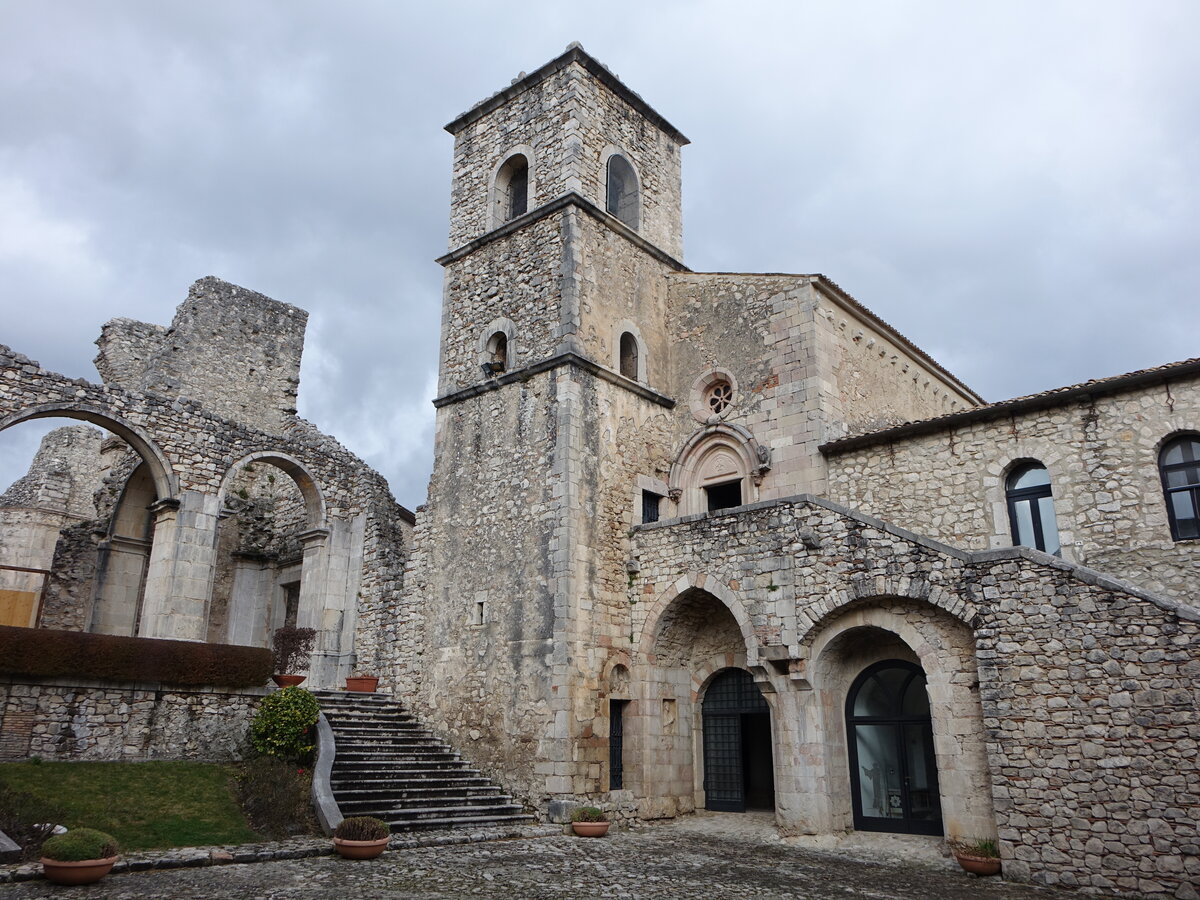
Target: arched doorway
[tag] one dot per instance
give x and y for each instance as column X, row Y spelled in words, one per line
column 738, row 768
column 893, row 773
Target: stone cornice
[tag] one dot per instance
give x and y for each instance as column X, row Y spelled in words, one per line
column 554, row 362
column 546, row 209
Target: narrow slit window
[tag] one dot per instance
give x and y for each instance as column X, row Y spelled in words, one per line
column 651, row 506
column 622, row 195
column 512, row 189
column 629, row 356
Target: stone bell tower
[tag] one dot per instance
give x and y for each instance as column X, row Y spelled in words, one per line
column 565, row 222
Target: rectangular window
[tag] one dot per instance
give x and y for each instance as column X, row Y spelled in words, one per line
column 723, row 496
column 616, row 741
column 650, row 506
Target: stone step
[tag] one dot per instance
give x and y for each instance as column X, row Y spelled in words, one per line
column 388, row 807
column 387, row 765
column 459, row 822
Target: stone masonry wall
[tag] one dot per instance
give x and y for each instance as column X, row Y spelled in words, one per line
column 1090, row 713
column 516, row 279
column 236, row 350
column 1102, row 457
column 489, row 535
column 568, row 123
column 80, row 720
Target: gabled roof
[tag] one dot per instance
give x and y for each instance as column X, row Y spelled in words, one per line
column 574, row 54
column 1029, row 403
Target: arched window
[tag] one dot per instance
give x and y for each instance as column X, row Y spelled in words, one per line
column 497, row 354
column 629, row 356
column 1031, row 508
column 512, row 189
column 622, row 195
column 1179, row 465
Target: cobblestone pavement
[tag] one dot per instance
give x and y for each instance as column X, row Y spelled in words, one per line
column 704, row 860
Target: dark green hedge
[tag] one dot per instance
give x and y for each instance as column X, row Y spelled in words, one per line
column 41, row 652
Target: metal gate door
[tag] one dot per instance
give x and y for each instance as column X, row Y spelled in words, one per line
column 731, row 695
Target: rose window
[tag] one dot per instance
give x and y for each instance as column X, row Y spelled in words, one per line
column 719, row 396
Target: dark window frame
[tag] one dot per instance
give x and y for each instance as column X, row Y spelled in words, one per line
column 1031, row 495
column 1188, row 443
column 628, row 354
column 651, row 507
column 718, row 494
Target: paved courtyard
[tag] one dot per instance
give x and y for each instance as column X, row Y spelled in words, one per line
column 703, row 858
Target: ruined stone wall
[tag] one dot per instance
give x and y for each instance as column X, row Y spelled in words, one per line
column 63, row 475
column 190, row 451
column 516, row 279
column 82, row 720
column 236, row 350
column 567, row 124
column 1086, row 708
column 1102, row 457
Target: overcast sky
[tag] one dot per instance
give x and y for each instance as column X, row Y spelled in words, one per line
column 1012, row 185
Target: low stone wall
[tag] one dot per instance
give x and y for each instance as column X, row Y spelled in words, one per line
column 74, row 719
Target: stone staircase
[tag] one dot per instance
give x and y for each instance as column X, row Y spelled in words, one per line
column 388, row 766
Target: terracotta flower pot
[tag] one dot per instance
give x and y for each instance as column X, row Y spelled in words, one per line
column 288, row 680
column 85, row 871
column 978, row 865
column 590, row 829
column 360, row 849
column 365, row 684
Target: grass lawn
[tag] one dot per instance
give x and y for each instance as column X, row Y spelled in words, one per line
column 143, row 805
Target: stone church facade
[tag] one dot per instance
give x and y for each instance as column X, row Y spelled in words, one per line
column 691, row 539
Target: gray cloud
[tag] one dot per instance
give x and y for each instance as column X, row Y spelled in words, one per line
column 1011, row 185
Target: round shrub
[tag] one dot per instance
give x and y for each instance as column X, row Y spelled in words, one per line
column 283, row 725
column 79, row 844
column 589, row 814
column 362, row 828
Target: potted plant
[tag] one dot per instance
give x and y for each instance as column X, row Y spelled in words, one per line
column 290, row 647
column 588, row 821
column 80, row 856
column 365, row 684
column 979, row 856
column 361, row 837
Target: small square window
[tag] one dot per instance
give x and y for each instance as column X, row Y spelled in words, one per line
column 723, row 496
column 650, row 506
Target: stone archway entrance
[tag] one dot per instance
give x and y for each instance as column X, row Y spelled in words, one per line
column 738, row 765
column 893, row 773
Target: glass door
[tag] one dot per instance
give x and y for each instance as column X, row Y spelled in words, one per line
column 893, row 773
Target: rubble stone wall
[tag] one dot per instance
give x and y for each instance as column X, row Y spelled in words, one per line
column 1102, row 456
column 1084, row 723
column 81, row 720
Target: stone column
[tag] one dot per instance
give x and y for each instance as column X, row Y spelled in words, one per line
column 179, row 579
